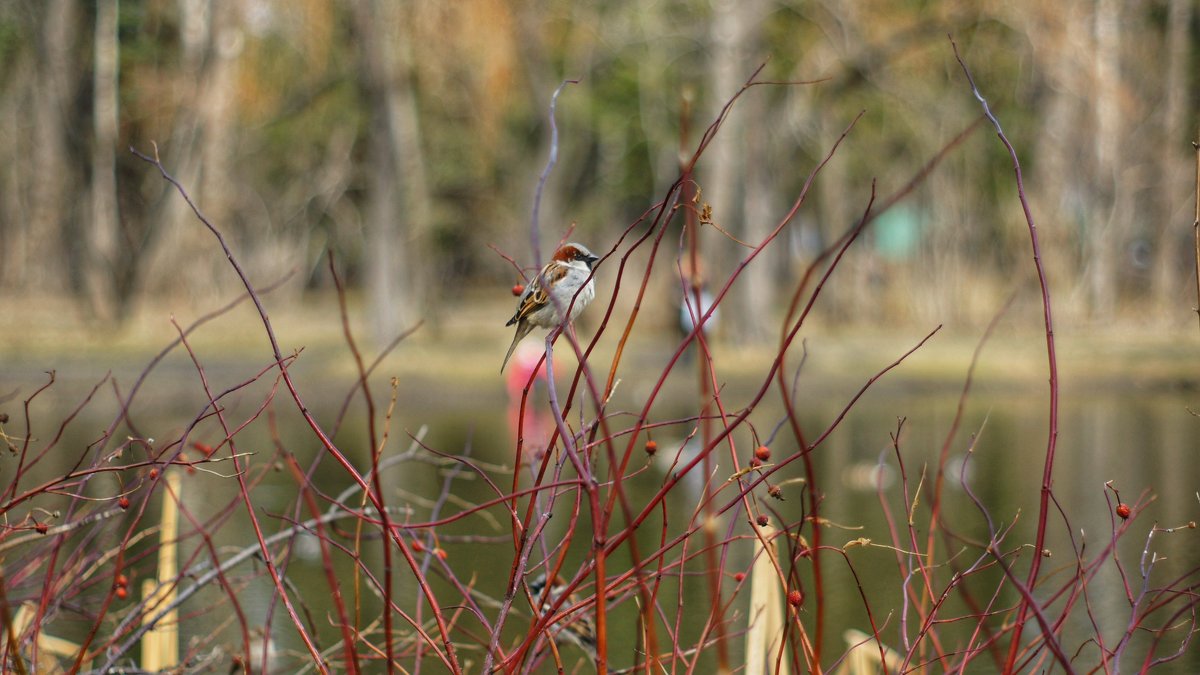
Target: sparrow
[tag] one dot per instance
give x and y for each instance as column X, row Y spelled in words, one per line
column 577, row 628
column 568, row 284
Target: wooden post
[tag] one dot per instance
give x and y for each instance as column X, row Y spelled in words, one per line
column 160, row 645
column 766, row 610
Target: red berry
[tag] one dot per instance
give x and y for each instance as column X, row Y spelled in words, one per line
column 763, row 520
column 123, row 502
column 441, row 553
column 763, row 453
column 1123, row 510
column 795, row 598
column 122, row 592
column 651, row 447
column 418, row 546
column 42, row 528
column 739, row 576
column 122, row 580
column 518, row 289
column 202, row 447
column 754, row 463
column 153, row 474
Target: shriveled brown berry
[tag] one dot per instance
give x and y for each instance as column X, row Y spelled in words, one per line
column 775, row 492
column 763, row 453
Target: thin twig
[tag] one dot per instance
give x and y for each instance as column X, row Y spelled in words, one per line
column 1052, row 437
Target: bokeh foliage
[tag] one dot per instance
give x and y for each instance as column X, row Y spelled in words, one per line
column 261, row 106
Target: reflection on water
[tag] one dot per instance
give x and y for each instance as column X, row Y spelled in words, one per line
column 1143, row 443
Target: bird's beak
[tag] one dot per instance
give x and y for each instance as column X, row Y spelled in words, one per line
column 591, row 260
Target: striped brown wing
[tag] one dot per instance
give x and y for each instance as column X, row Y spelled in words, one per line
column 534, row 297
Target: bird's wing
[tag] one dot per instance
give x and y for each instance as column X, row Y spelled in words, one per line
column 535, row 297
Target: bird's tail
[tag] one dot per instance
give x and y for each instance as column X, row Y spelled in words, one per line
column 523, row 329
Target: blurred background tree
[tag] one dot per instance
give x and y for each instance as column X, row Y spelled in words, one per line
column 407, row 136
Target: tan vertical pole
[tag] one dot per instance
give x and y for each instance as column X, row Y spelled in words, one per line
column 766, row 610
column 160, row 645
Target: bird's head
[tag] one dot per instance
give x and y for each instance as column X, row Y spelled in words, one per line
column 572, row 252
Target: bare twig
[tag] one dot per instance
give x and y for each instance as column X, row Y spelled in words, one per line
column 1052, row 437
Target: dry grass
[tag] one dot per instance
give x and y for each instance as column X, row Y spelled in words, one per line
column 467, row 344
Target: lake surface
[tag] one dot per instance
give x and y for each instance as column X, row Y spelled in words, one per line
column 1142, row 439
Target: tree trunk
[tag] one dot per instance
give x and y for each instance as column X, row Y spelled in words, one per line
column 756, row 291
column 1060, row 41
column 101, row 235
column 1104, row 238
column 397, row 209
column 181, row 257
column 17, row 101
column 727, row 162
column 1174, row 198
column 218, row 117
column 48, row 243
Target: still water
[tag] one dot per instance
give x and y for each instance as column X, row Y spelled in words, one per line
column 1140, row 442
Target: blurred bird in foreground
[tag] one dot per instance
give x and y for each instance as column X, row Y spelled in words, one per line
column 568, row 284
column 577, row 628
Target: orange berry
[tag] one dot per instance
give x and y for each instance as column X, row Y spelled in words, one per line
column 651, row 447
column 1123, row 510
column 123, row 502
column 762, row 453
column 122, row 580
column 153, row 474
column 418, row 546
column 441, row 553
column 122, row 592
